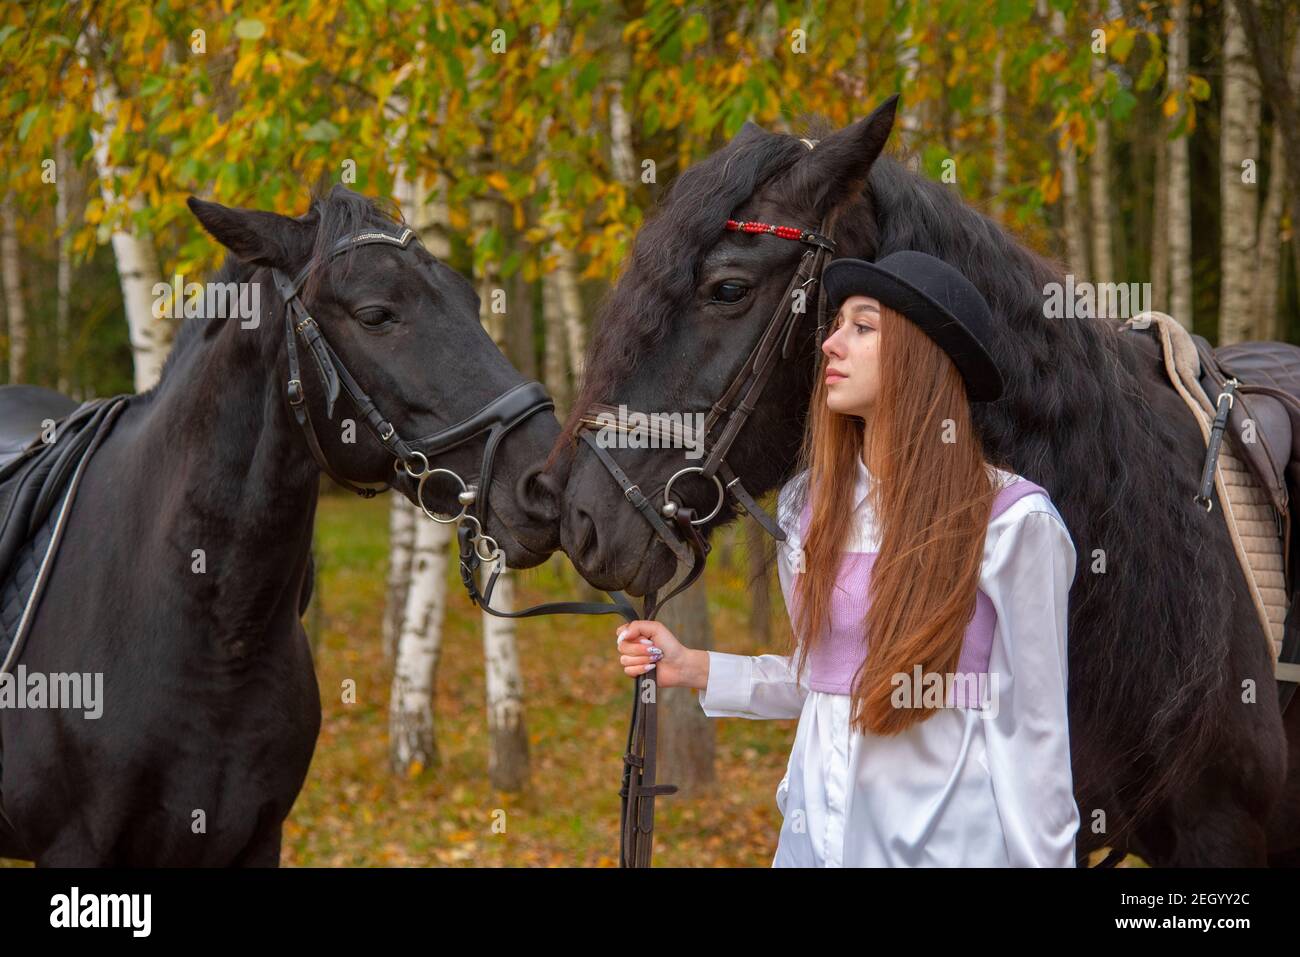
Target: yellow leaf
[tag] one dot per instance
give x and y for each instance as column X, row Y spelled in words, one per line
column 1052, row 191
column 498, row 182
column 1171, row 104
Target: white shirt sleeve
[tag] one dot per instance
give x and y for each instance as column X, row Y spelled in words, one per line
column 1027, row 740
column 753, row 686
column 761, row 686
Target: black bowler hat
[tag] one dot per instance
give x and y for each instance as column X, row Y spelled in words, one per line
column 934, row 296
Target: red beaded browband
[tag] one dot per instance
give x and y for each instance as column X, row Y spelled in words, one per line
column 782, row 232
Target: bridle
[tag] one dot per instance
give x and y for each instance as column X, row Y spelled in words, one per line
column 729, row 414
column 733, row 409
column 413, row 456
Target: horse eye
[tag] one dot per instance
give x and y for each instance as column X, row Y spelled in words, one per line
column 371, row 318
column 730, row 292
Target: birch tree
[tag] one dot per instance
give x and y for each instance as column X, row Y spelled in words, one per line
column 15, row 307
column 1268, row 249
column 137, row 261
column 1179, row 181
column 1238, row 172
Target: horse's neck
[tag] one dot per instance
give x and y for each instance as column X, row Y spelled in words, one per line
column 224, row 482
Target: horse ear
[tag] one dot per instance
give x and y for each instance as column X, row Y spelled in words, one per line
column 836, row 170
column 254, row 236
column 749, row 131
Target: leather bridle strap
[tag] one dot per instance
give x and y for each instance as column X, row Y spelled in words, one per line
column 640, row 502
column 302, row 414
column 741, row 398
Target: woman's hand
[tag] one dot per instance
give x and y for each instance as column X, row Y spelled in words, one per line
column 648, row 646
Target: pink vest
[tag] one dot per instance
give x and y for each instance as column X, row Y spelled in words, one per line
column 833, row 663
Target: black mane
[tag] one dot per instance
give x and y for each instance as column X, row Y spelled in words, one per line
column 1074, row 418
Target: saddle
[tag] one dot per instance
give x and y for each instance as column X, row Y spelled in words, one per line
column 46, row 439
column 1251, row 392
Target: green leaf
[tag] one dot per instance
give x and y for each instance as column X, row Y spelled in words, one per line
column 588, row 77
column 1122, row 105
column 250, row 29
column 322, row 131
column 25, row 124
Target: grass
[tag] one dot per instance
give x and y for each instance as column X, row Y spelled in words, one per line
column 354, row 811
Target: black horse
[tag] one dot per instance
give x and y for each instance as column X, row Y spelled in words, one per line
column 1170, row 761
column 185, row 563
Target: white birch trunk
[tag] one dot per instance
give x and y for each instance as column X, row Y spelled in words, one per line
column 63, row 278
column 137, row 261
column 1268, row 252
column 1238, row 144
column 1103, row 263
column 1179, row 184
column 508, row 753
column 1160, row 219
column 411, row 739
column 15, row 307
column 998, row 109
column 1076, row 232
column 507, row 732
column 402, row 517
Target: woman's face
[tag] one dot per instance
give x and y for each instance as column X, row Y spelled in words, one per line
column 852, row 350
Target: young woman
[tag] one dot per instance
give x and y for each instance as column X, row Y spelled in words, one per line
column 927, row 592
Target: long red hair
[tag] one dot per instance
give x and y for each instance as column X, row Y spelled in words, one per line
column 932, row 498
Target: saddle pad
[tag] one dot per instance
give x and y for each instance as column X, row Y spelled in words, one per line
column 17, row 589
column 36, row 495
column 1245, row 503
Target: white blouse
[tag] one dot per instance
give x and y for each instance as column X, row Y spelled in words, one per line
column 964, row 787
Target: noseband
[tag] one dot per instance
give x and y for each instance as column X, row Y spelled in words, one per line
column 413, row 456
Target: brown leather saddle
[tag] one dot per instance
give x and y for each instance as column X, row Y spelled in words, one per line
column 1255, row 389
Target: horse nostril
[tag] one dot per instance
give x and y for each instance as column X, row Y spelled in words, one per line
column 538, row 494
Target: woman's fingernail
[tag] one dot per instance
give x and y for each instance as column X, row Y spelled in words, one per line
column 650, row 667
column 655, row 651
column 646, row 641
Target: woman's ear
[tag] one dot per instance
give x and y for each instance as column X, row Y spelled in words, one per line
column 254, row 236
column 835, row 171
